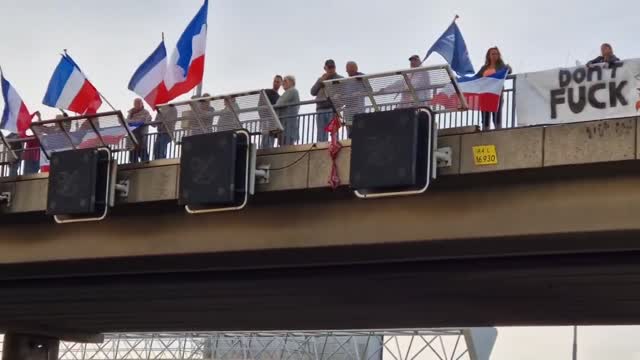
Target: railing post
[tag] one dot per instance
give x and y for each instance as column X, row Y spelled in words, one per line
column 513, row 102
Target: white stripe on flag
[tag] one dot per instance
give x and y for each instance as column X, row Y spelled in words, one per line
column 482, row 86
column 14, row 102
column 71, row 89
column 199, row 43
column 151, row 80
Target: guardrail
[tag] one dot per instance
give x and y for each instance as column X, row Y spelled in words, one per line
column 154, row 146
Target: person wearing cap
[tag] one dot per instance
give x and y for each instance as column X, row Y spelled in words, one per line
column 323, row 106
column 414, row 61
column 420, row 82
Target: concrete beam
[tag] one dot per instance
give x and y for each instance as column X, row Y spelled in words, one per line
column 515, row 149
column 296, row 221
column 590, row 142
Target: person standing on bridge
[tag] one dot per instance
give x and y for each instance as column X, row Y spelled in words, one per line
column 324, row 107
column 273, row 94
column 166, row 120
column 420, row 82
column 606, row 56
column 492, row 64
column 356, row 104
column 288, row 107
column 136, row 118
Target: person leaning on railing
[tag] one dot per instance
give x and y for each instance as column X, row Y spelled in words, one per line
column 606, row 57
column 288, row 107
column 166, row 118
column 492, row 64
column 136, row 117
column 356, row 105
column 273, row 95
column 16, row 146
column 31, row 156
column 323, row 107
column 420, row 82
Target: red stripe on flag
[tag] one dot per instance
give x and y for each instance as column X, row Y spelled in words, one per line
column 194, row 77
column 159, row 95
column 23, row 120
column 482, row 102
column 87, row 100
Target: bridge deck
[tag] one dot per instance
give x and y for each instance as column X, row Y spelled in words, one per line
column 567, row 179
column 547, row 236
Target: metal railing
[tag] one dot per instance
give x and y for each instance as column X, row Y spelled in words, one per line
column 155, row 146
column 28, row 157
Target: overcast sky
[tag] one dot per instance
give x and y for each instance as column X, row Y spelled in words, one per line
column 250, row 41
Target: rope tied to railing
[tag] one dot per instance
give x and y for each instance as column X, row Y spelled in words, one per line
column 334, row 149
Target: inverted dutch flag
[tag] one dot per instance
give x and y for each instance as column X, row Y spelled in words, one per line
column 481, row 93
column 186, row 65
column 69, row 89
column 15, row 117
column 148, row 79
column 108, row 136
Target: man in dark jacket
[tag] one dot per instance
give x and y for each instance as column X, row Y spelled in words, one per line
column 323, row 107
column 273, row 93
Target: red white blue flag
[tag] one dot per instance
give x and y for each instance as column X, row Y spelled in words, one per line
column 15, row 117
column 148, row 80
column 186, row 65
column 159, row 81
column 481, row 93
column 69, row 89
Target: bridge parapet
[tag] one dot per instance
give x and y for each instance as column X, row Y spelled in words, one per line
column 307, row 167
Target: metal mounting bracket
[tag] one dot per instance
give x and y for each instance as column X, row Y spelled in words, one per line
column 262, row 174
column 5, row 198
column 443, row 157
column 122, row 188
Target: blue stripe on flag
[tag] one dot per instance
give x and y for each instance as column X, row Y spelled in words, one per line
column 158, row 55
column 5, row 94
column 58, row 80
column 502, row 74
column 185, row 45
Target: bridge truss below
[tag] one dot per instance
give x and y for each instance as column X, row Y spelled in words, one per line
column 424, row 344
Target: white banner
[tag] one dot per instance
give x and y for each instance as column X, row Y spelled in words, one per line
column 579, row 94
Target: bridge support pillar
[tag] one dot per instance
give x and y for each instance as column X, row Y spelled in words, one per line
column 29, row 347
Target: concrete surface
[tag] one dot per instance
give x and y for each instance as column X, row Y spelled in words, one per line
column 590, row 142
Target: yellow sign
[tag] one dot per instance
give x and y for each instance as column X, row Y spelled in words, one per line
column 485, row 155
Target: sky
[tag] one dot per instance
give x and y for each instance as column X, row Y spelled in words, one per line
column 250, row 41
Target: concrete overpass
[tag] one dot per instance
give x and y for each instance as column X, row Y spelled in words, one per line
column 546, row 236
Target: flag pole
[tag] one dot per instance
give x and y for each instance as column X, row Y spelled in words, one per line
column 199, row 87
column 574, row 353
column 99, row 93
column 456, row 18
